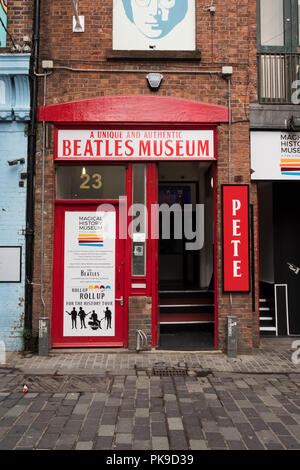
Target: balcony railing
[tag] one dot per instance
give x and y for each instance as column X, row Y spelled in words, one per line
column 279, row 78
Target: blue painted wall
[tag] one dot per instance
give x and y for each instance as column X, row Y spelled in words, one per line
column 13, row 144
column 14, row 116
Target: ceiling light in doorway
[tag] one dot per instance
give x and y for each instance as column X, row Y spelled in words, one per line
column 83, row 171
column 212, row 182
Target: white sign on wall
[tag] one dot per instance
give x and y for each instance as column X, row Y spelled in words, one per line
column 154, row 25
column 136, row 144
column 10, row 263
column 275, row 155
column 89, row 274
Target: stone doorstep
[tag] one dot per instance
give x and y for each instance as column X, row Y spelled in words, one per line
column 56, row 352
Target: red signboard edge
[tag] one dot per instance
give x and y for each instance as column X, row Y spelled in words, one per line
column 249, row 267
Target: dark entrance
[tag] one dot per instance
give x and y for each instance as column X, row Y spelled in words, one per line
column 186, row 262
column 279, row 258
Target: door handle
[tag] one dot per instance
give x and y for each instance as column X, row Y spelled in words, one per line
column 121, row 300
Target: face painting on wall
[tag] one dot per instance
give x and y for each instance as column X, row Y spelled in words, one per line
column 3, row 16
column 149, row 24
column 155, row 18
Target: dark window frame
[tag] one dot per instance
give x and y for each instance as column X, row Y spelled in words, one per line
column 291, row 29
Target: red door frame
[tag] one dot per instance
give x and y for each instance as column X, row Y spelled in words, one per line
column 58, row 340
column 140, row 112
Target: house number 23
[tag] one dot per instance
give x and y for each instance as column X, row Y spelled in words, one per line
column 94, row 181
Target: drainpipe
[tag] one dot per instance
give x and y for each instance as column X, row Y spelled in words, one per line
column 229, row 155
column 232, row 336
column 31, row 170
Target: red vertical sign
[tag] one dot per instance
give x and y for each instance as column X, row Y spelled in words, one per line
column 236, row 272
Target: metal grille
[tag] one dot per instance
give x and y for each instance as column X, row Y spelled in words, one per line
column 278, row 77
column 164, row 370
column 169, row 372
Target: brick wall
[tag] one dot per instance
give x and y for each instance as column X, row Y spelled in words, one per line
column 233, row 43
column 139, row 311
column 19, row 22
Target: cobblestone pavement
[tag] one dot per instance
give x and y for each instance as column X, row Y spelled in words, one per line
column 96, row 400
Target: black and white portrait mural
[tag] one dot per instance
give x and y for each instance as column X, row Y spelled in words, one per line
column 154, row 24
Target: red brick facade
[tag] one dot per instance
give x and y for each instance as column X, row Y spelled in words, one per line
column 19, row 22
column 232, row 43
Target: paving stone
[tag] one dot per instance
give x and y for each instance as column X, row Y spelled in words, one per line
column 118, row 447
column 100, row 397
column 170, row 397
column 15, row 411
column 73, row 426
column 230, row 434
column 123, row 438
column 80, row 409
column 159, row 429
column 157, row 416
column 160, row 443
column 88, row 431
column 141, row 445
column 215, row 440
column 267, row 437
column 106, row 430
column 142, row 412
column 288, row 420
column 198, row 445
column 289, row 442
column 84, row 445
column 194, row 432
column 175, row 424
column 142, row 432
column 270, row 417
column 125, row 425
column 178, row 440
column 72, row 396
column 9, row 442
column 109, row 419
column 103, row 443
column 209, row 426
column 48, row 441
column 142, row 422
column 236, row 445
column 30, row 395
column 66, row 442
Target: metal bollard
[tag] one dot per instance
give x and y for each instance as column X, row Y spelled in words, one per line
column 232, row 337
column 43, row 337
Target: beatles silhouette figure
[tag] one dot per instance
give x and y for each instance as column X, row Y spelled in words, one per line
column 108, row 315
column 73, row 315
column 82, row 316
column 94, row 322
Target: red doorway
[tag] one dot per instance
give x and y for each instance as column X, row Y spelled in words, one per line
column 89, row 301
column 119, row 115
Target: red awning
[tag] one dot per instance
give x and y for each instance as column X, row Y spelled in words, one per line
column 134, row 109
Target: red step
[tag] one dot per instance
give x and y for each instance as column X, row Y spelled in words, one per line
column 186, row 317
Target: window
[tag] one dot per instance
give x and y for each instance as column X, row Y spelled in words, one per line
column 271, row 23
column 278, row 25
column 278, row 39
column 139, row 223
column 90, row 182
